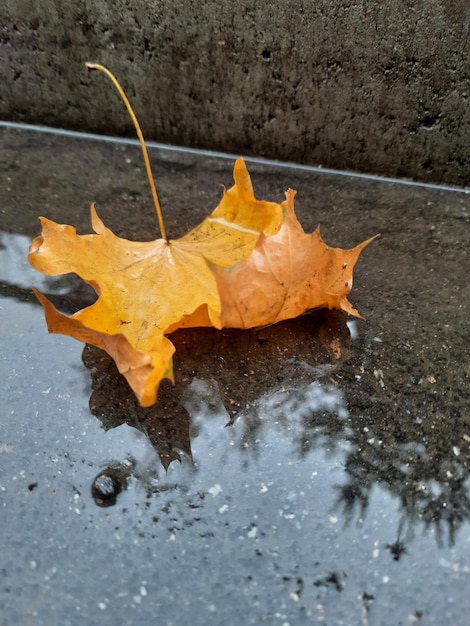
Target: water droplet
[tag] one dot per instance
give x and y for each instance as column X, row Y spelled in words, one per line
column 107, row 485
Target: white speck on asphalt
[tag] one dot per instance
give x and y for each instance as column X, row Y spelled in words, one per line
column 215, row 490
column 253, row 532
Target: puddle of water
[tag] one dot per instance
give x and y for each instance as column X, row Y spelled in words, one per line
column 300, row 487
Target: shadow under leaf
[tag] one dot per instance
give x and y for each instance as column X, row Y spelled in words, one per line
column 241, row 365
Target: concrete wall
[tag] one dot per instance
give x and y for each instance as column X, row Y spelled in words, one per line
column 380, row 86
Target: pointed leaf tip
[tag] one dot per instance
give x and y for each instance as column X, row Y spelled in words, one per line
column 242, row 178
column 96, row 222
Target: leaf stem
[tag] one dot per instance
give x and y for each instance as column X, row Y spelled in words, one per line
column 110, row 75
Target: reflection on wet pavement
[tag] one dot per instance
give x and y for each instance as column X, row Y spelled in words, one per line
column 312, row 471
column 239, row 367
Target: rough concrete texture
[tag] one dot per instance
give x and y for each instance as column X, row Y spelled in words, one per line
column 374, row 86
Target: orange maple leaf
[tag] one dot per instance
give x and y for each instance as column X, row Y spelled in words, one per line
column 247, row 264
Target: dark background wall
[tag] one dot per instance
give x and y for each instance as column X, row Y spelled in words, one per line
column 379, row 86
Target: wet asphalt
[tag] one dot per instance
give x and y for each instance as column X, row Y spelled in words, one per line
column 316, row 471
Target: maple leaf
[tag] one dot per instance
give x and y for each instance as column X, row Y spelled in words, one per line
column 247, row 264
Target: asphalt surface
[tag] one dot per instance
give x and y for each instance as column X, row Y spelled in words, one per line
column 315, row 471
